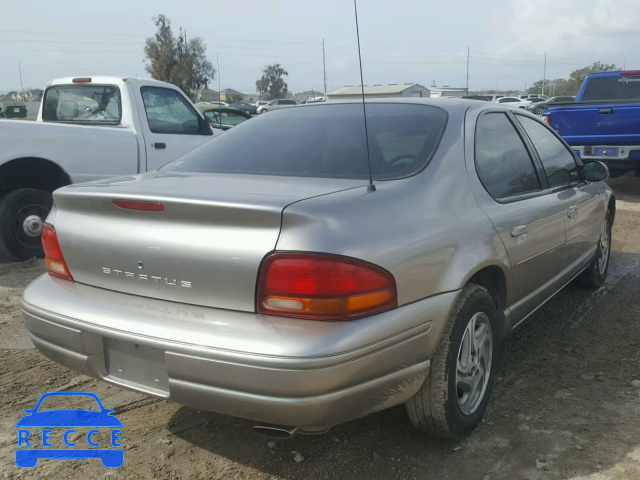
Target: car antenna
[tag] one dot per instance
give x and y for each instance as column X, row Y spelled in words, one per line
column 219, row 93
column 371, row 187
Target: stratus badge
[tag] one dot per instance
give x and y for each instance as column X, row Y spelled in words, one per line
column 171, row 282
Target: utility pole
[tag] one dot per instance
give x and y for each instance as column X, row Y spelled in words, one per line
column 468, row 55
column 544, row 75
column 219, row 91
column 324, row 69
column 21, row 85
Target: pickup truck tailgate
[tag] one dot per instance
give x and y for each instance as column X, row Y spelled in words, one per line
column 617, row 124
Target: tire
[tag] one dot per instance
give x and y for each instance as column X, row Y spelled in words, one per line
column 539, row 111
column 15, row 208
column 597, row 271
column 440, row 408
column 247, row 112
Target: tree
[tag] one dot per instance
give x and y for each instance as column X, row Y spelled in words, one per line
column 175, row 60
column 272, row 85
column 570, row 86
column 235, row 98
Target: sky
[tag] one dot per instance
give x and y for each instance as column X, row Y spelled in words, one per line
column 403, row 41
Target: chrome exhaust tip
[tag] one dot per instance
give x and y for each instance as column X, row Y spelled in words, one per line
column 276, row 432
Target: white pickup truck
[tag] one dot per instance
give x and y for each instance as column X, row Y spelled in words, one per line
column 87, row 129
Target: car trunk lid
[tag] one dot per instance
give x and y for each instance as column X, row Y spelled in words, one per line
column 204, row 247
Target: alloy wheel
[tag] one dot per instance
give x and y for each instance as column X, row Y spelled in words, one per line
column 474, row 363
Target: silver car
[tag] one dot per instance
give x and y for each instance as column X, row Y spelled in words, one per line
column 261, row 276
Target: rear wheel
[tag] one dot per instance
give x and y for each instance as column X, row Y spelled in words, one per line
column 595, row 275
column 453, row 398
column 538, row 110
column 22, row 215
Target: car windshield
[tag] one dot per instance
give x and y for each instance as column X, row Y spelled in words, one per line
column 75, row 402
column 325, row 141
column 625, row 87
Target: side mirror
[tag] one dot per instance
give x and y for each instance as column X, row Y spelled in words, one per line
column 595, row 171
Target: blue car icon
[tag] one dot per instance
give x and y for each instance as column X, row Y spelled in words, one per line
column 68, row 418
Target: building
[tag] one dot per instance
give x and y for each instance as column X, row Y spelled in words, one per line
column 207, row 95
column 230, row 95
column 380, row 91
column 447, row 91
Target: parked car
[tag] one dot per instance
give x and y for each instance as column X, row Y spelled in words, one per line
column 493, row 98
column 276, row 104
column 482, row 98
column 513, row 102
column 539, row 107
column 234, row 280
column 259, row 103
column 224, row 117
column 13, row 110
column 602, row 123
column 246, row 107
column 529, row 96
column 87, row 128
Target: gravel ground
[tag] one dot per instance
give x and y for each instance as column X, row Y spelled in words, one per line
column 564, row 406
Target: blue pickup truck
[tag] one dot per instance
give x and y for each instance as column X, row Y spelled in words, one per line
column 604, row 122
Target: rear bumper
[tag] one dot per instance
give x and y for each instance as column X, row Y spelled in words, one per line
column 350, row 369
column 625, row 153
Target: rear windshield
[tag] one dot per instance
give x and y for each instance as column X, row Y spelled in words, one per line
column 99, row 104
column 324, row 141
column 612, row 88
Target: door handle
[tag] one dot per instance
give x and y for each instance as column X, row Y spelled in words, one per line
column 159, row 146
column 606, row 111
column 572, row 213
column 519, row 230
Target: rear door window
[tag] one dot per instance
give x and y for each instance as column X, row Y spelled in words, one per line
column 558, row 162
column 625, row 87
column 502, row 160
column 326, row 140
column 169, row 112
column 82, row 104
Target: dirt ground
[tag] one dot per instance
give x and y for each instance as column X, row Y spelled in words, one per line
column 563, row 407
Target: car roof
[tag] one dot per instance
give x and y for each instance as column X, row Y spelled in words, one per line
column 108, row 80
column 448, row 104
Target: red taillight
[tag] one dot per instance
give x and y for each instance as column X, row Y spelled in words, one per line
column 546, row 120
column 138, row 205
column 54, row 260
column 82, row 80
column 323, row 287
column 630, row 72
